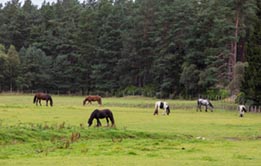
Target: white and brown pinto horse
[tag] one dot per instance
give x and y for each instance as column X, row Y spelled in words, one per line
column 161, row 105
column 242, row 110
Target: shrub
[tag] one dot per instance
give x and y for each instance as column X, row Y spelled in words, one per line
column 241, row 98
column 215, row 94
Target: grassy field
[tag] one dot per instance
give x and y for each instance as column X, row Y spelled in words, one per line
column 31, row 135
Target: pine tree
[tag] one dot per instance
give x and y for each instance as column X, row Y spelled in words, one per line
column 3, row 67
column 13, row 62
column 252, row 79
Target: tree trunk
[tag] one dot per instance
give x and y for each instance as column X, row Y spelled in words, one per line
column 233, row 54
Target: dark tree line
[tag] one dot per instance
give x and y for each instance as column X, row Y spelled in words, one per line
column 166, row 48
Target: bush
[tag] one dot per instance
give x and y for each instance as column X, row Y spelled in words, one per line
column 148, row 91
column 215, row 94
column 241, row 98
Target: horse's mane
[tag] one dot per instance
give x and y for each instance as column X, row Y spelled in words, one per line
column 111, row 117
column 99, row 100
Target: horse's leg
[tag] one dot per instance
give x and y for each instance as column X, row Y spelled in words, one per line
column 46, row 102
column 40, row 102
column 98, row 122
column 36, row 102
column 200, row 107
column 156, row 111
column 206, row 109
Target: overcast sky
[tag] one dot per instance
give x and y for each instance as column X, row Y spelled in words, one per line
column 35, row 2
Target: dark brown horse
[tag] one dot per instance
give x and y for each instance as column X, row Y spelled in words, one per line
column 92, row 98
column 100, row 114
column 42, row 96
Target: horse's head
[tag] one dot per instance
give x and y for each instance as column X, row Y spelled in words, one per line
column 210, row 104
column 211, row 107
column 90, row 122
column 91, row 118
column 86, row 99
column 51, row 100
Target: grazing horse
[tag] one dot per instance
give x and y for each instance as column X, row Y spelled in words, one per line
column 100, row 114
column 92, row 98
column 205, row 103
column 42, row 96
column 161, row 105
column 242, row 110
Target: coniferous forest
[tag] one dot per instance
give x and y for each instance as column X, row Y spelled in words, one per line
column 162, row 48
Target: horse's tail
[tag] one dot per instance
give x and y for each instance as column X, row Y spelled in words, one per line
column 100, row 101
column 34, row 99
column 198, row 104
column 112, row 119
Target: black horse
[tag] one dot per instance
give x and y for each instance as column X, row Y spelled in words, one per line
column 100, row 114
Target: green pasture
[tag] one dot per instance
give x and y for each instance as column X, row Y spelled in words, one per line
column 31, row 135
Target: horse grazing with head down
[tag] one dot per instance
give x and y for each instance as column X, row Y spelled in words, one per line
column 161, row 105
column 42, row 96
column 92, row 98
column 205, row 103
column 242, row 110
column 100, row 114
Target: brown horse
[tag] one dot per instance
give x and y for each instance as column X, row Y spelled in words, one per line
column 42, row 96
column 92, row 98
